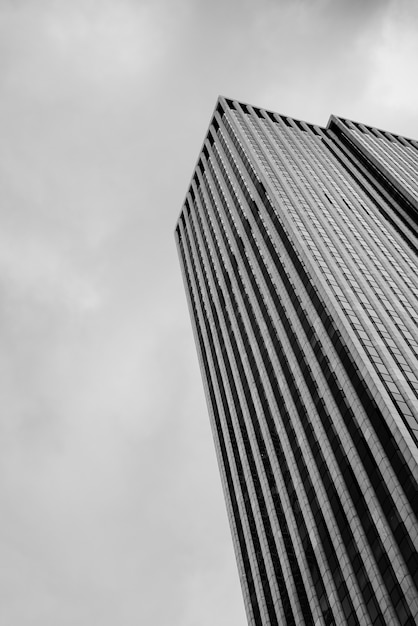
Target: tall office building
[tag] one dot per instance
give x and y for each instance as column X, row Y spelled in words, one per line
column 298, row 246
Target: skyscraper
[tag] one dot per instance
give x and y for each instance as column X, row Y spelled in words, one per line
column 298, row 246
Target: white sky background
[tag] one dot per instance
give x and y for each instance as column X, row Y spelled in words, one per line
column 111, row 510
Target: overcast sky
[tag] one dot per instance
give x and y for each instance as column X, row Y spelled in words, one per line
column 111, row 510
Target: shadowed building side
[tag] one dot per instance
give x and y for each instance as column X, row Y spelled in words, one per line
column 298, row 248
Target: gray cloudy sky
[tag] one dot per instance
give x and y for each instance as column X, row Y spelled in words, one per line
column 111, row 505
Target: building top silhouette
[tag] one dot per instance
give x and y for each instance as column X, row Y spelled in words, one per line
column 298, row 247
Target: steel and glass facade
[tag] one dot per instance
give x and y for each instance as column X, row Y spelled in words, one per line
column 298, row 246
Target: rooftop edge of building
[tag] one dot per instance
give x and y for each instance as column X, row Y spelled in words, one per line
column 336, row 124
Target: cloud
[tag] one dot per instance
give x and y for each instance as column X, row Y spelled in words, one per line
column 344, row 57
column 107, row 41
column 33, row 269
column 391, row 92
column 99, row 45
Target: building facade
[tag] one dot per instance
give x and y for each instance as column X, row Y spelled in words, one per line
column 298, row 246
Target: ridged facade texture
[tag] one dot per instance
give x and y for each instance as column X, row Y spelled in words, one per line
column 298, row 247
